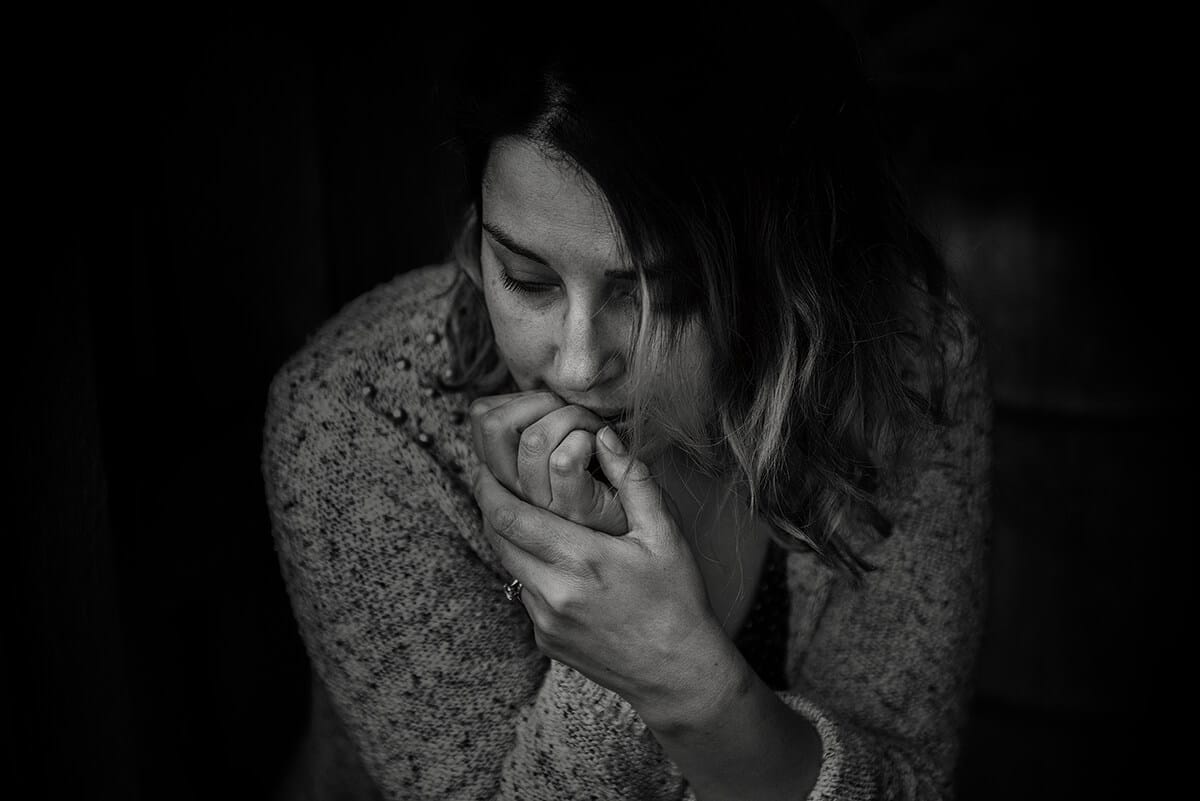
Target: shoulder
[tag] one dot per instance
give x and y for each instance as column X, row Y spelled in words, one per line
column 937, row 497
column 398, row 321
column 961, row 344
column 401, row 311
column 361, row 392
column 966, row 392
column 934, row 495
column 945, row 365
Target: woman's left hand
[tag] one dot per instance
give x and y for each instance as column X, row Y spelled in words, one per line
column 630, row 612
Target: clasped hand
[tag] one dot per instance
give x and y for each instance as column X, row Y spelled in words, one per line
column 609, row 582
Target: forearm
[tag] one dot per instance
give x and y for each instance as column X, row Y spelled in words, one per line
column 742, row 741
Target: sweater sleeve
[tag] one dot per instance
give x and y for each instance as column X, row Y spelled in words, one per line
column 887, row 672
column 423, row 661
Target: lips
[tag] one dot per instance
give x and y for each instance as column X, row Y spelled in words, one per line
column 617, row 418
column 611, row 414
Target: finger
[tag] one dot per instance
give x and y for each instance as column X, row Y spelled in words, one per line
column 542, row 535
column 517, row 562
column 542, row 438
column 481, row 406
column 569, row 496
column 640, row 495
column 576, row 494
column 525, row 569
column 496, row 430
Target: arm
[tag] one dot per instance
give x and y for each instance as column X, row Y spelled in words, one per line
column 434, row 678
column 880, row 675
column 873, row 713
column 745, row 742
column 882, row 672
column 887, row 671
column 873, row 724
column 877, row 700
column 424, row 662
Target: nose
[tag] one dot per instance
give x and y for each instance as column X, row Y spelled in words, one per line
column 588, row 354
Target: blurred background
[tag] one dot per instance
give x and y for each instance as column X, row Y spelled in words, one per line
column 215, row 189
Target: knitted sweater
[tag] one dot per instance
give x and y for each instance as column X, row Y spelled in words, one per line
column 431, row 681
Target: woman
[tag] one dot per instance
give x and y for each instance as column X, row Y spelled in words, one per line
column 672, row 483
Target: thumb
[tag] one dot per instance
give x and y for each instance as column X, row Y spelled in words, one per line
column 637, row 490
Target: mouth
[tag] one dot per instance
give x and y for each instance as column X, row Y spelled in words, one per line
column 612, row 415
column 614, row 418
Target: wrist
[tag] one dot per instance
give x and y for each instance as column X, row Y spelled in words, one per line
column 711, row 677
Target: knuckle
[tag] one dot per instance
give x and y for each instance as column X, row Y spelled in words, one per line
column 504, row 519
column 491, row 425
column 534, row 441
column 559, row 600
column 562, row 463
column 477, row 409
column 591, row 568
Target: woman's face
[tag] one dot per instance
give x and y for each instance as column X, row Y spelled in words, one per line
column 562, row 305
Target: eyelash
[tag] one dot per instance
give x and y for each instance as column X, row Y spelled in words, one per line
column 522, row 287
column 528, row 288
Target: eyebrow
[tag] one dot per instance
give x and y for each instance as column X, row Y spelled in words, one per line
column 512, row 245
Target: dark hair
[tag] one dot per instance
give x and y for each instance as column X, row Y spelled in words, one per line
column 744, row 170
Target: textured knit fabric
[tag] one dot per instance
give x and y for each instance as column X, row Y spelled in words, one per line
column 428, row 682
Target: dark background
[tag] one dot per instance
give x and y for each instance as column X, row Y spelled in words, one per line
column 209, row 192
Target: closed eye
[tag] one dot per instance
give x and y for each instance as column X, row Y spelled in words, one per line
column 523, row 287
column 624, row 290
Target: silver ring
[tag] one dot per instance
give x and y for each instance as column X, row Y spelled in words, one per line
column 512, row 590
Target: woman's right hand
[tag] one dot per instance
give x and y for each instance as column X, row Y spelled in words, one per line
column 539, row 447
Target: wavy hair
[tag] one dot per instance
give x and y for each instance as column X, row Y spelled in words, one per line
column 745, row 173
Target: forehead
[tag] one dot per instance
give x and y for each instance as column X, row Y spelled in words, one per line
column 549, row 205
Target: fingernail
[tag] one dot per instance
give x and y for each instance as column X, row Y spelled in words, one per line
column 612, row 441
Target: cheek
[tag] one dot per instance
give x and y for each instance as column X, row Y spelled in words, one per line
column 519, row 335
